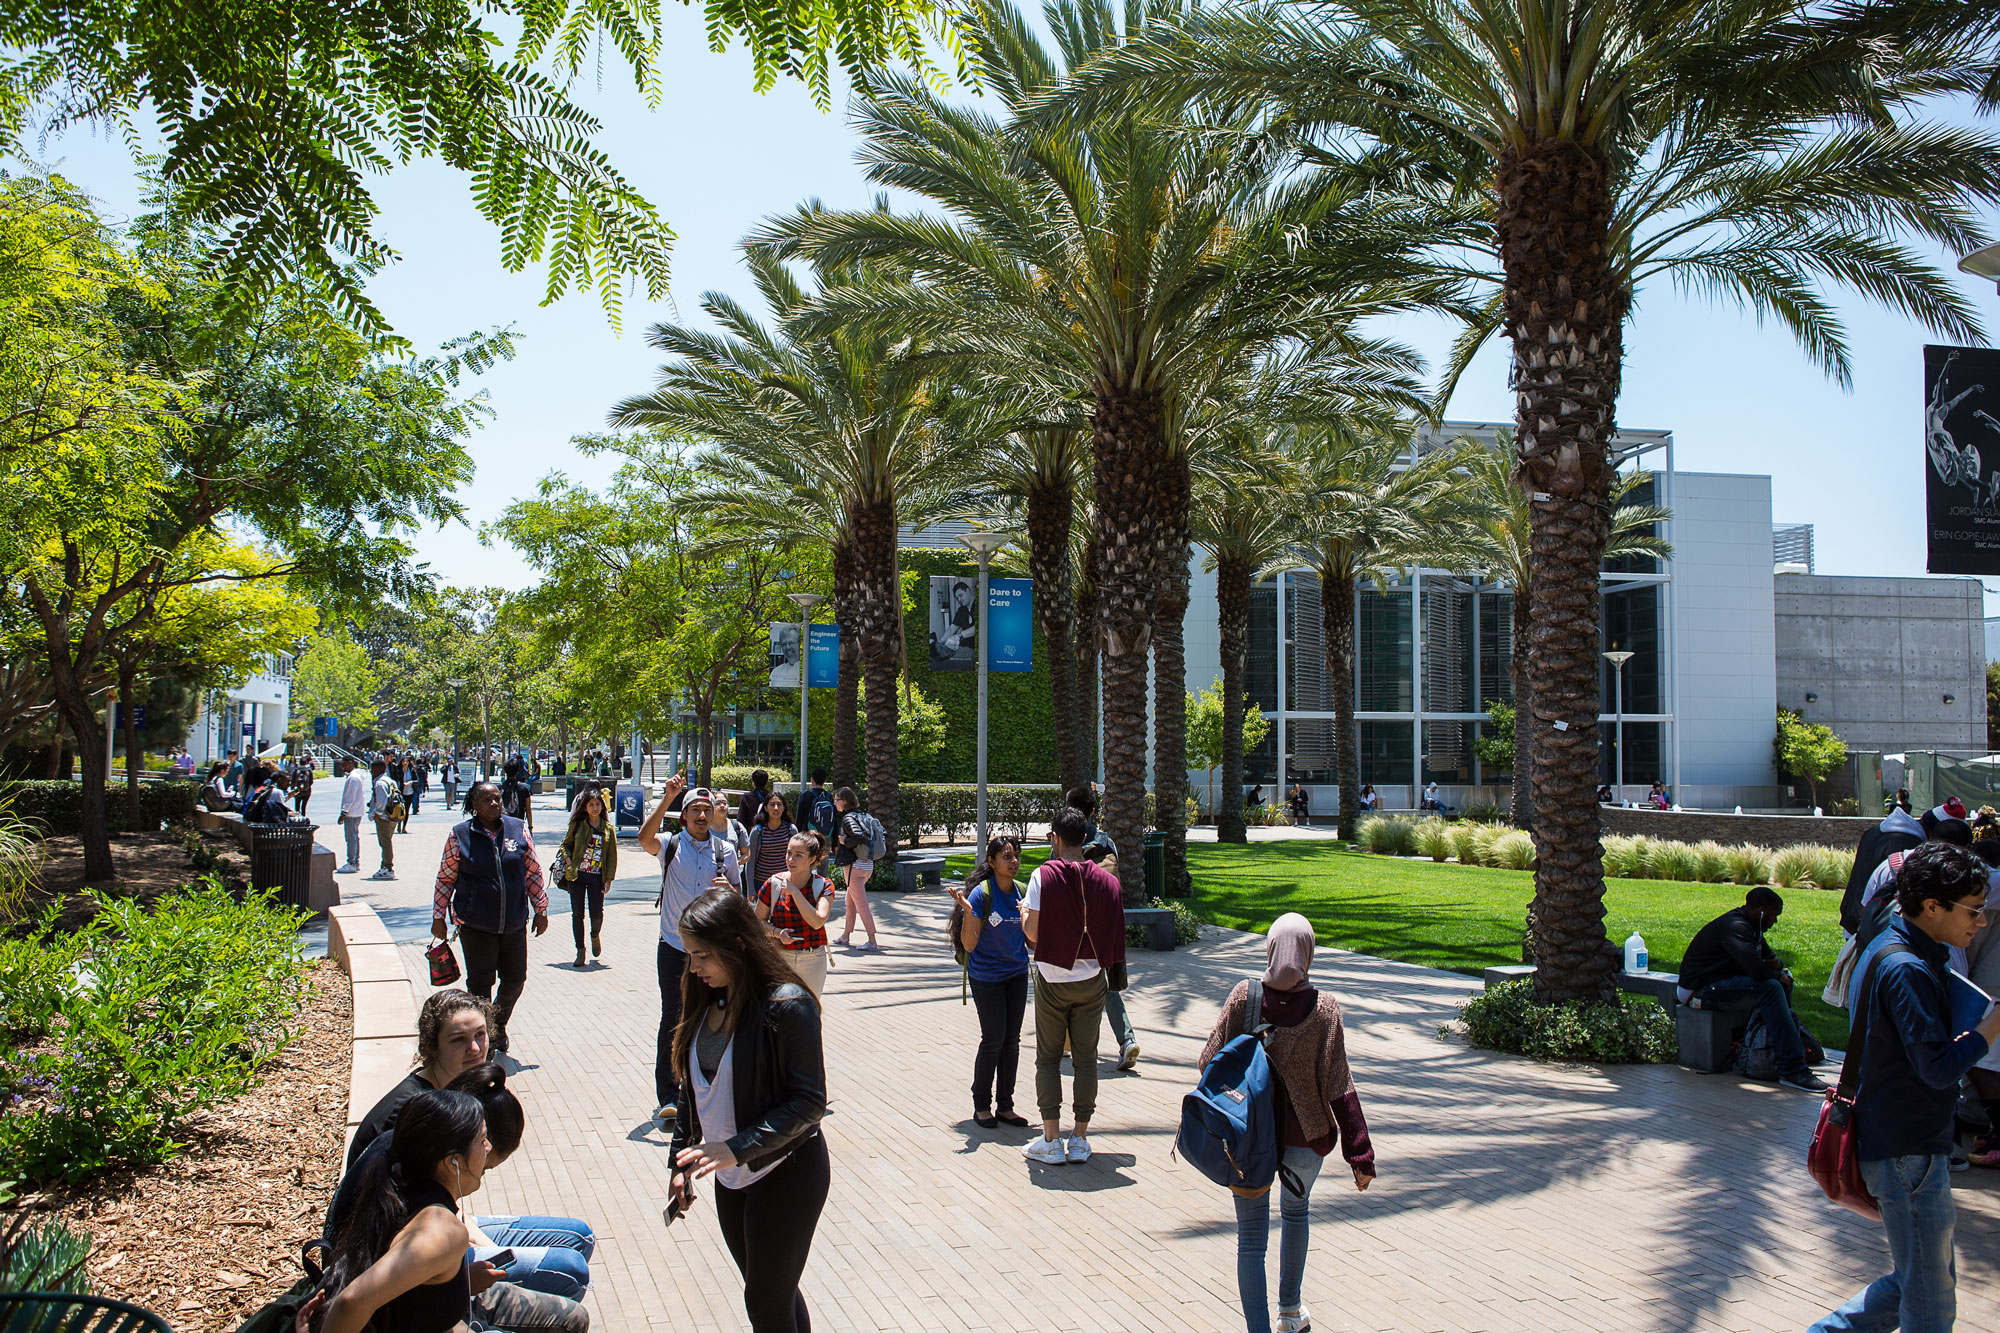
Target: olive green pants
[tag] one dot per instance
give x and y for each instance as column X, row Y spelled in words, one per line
column 1072, row 1010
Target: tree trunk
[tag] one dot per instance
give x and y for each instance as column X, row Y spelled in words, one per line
column 847, row 696
column 1128, row 456
column 1524, row 754
column 1170, row 728
column 1233, row 577
column 1089, row 641
column 1051, row 509
column 81, row 719
column 879, row 616
column 704, row 744
column 1565, row 313
column 1336, row 613
column 133, row 760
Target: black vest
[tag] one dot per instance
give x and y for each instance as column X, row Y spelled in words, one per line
column 492, row 889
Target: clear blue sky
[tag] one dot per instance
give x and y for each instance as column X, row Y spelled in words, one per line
column 716, row 157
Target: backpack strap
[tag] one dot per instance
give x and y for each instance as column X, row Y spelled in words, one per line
column 1864, row 1006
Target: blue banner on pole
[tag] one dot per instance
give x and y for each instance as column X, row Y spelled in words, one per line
column 823, row 656
column 1010, row 624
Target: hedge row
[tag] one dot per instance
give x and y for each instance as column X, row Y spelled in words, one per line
column 952, row 810
column 55, row 808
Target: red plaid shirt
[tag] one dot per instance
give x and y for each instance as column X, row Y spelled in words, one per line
column 785, row 914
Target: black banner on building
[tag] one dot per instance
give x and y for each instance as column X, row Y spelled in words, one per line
column 1962, row 460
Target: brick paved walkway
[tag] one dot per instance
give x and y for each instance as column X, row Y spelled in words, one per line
column 1513, row 1196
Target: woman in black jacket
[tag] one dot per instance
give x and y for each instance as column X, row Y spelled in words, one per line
column 753, row 1089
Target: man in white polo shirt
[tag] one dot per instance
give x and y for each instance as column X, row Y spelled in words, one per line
column 692, row 861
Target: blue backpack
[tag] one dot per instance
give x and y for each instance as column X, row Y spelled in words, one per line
column 1230, row 1129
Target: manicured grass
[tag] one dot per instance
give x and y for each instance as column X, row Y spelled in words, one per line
column 1466, row 918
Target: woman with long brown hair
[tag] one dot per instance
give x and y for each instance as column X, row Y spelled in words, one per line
column 589, row 862
column 798, row 901
column 752, row 1091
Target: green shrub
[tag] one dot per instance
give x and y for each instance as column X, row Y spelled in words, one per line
column 1150, row 810
column 42, row 1256
column 1465, row 843
column 1187, row 926
column 1433, row 838
column 1624, row 856
column 1399, row 836
column 1484, row 812
column 54, row 809
column 736, row 777
column 1512, row 849
column 165, row 1013
column 1676, row 861
column 20, row 862
column 1831, row 867
column 1793, row 866
column 1711, row 862
column 1749, row 865
column 1506, row 1018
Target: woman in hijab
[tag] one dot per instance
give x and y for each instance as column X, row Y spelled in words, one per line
column 1319, row 1108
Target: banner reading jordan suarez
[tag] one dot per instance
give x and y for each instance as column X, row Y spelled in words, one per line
column 1962, row 453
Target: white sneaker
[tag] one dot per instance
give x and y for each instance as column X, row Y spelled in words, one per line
column 1079, row 1148
column 383, row 874
column 1049, row 1152
column 1301, row 1322
column 1128, row 1057
column 347, row 870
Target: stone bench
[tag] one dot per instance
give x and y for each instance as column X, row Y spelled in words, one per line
column 1158, row 923
column 1705, row 1038
column 912, row 869
column 385, row 1006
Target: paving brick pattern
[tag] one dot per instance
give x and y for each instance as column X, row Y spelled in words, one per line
column 1512, row 1196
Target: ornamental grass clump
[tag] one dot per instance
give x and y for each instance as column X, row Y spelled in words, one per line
column 1433, row 838
column 1624, row 856
column 1831, row 867
column 1793, row 867
column 1675, row 861
column 1506, row 1018
column 1513, row 849
column 1749, row 865
column 1711, row 862
column 1389, row 835
column 1465, row 843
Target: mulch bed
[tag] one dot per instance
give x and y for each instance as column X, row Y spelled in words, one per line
column 147, row 864
column 206, row 1239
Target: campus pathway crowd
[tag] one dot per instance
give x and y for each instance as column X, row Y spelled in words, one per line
column 1512, row 1196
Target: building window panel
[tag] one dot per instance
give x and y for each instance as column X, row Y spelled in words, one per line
column 1496, row 648
column 1305, row 653
column 1261, row 654
column 1448, row 751
column 1385, row 753
column 1382, row 636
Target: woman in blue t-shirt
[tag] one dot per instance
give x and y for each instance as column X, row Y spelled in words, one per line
column 997, row 968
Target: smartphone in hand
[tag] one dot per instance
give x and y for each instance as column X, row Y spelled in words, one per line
column 502, row 1259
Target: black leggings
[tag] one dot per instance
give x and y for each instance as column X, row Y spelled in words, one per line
column 587, row 886
column 1001, row 1005
column 768, row 1227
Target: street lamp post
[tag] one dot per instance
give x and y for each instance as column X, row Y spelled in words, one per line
column 457, row 688
column 1618, row 661
column 805, row 602
column 982, row 545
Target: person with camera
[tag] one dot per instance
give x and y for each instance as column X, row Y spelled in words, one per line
column 488, row 881
column 752, row 1074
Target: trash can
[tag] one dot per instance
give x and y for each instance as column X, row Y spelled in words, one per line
column 1156, row 865
column 281, row 860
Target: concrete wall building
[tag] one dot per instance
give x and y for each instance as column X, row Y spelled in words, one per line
column 255, row 714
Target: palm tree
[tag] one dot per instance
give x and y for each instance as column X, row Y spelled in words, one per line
column 1749, row 150
column 827, row 435
column 1501, row 550
column 1366, row 510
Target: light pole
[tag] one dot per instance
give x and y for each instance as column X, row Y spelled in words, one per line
column 1618, row 661
column 457, row 692
column 805, row 602
column 982, row 545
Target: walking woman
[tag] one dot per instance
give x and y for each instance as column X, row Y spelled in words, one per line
column 770, row 840
column 855, row 850
column 401, row 1263
column 797, row 902
column 420, row 781
column 302, row 785
column 589, row 862
column 1308, row 1051
column 996, row 967
column 752, row 1091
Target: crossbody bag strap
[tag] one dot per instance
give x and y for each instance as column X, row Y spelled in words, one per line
column 1850, row 1067
column 1083, row 906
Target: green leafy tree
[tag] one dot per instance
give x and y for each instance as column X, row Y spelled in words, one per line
column 1808, row 750
column 275, row 117
column 1497, row 744
column 333, row 677
column 1208, row 719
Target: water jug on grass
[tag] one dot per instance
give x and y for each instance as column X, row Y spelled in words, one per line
column 1635, row 953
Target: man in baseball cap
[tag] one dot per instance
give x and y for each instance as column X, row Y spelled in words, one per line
column 692, row 862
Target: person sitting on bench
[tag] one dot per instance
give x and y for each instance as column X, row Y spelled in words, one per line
column 1729, row 966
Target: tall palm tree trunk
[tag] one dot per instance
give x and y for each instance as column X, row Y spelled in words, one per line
column 1565, row 313
column 1170, row 721
column 879, row 611
column 1051, row 509
column 1089, row 638
column 847, row 697
column 1524, row 752
column 1128, row 454
column 1232, row 599
column 1336, row 614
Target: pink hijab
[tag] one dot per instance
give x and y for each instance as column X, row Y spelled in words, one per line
column 1288, row 952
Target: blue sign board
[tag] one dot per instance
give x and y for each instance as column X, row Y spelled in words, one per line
column 1010, row 625
column 631, row 810
column 823, row 657
column 138, row 716
column 326, row 728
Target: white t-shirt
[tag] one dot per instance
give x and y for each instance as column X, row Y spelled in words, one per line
column 354, row 796
column 1085, row 968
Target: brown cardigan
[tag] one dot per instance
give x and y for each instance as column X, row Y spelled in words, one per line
column 1310, row 1061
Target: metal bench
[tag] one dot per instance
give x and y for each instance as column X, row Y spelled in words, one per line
column 66, row 1312
column 1158, row 923
column 928, row 869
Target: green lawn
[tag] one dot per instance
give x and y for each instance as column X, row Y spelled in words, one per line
column 1465, row 918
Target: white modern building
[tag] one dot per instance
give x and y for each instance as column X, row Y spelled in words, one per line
column 254, row 714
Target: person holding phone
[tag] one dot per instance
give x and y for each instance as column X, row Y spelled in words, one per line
column 752, row 1081
column 996, row 967
column 797, row 902
column 692, row 861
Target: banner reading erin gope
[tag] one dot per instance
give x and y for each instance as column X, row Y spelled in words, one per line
column 1962, row 460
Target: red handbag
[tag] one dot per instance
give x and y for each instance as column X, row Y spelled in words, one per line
column 444, row 963
column 1834, row 1157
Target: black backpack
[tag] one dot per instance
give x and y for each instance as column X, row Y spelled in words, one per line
column 279, row 1315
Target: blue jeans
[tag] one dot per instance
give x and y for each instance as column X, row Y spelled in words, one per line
column 1253, row 1241
column 551, row 1254
column 1920, row 1294
column 1742, row 994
